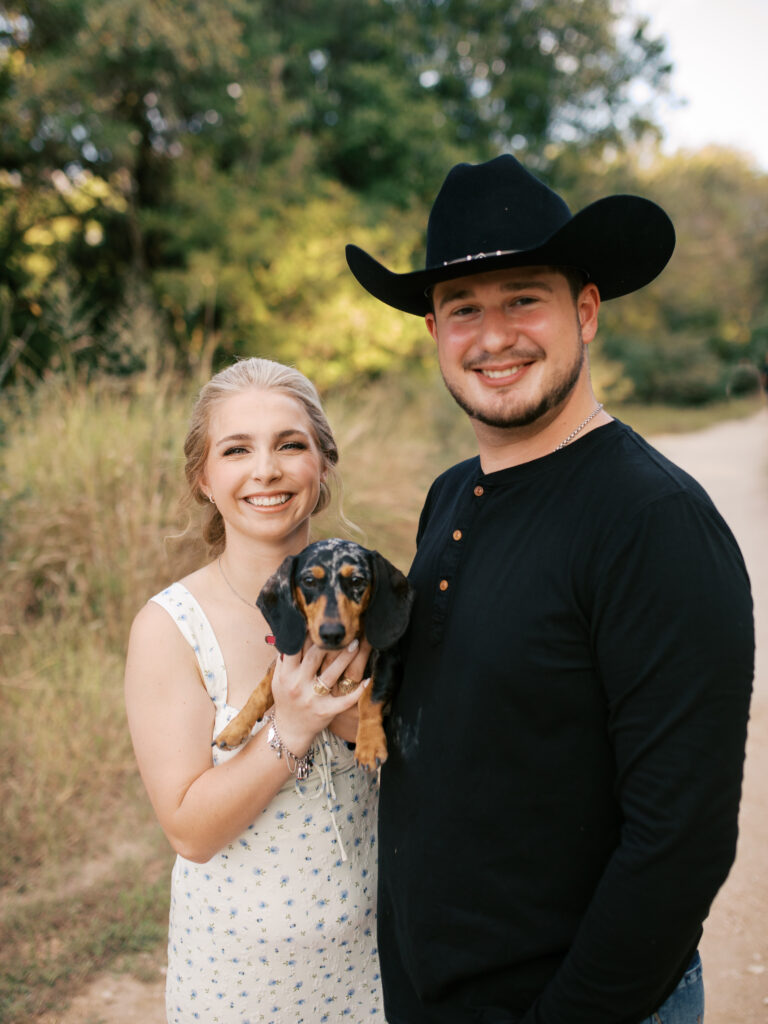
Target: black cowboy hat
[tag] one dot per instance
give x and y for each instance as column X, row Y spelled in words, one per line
column 497, row 214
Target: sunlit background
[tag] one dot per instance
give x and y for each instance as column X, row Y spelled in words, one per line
column 178, row 179
column 718, row 48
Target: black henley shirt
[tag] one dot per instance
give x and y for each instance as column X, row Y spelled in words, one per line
column 559, row 806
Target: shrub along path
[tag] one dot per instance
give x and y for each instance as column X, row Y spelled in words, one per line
column 731, row 461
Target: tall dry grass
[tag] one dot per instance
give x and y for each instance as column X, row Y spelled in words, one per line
column 90, row 528
column 91, row 473
column 88, row 491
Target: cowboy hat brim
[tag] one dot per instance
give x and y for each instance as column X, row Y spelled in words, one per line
column 621, row 243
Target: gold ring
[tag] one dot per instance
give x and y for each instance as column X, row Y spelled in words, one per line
column 346, row 685
column 320, row 688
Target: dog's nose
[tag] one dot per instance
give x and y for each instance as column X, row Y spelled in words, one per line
column 332, row 634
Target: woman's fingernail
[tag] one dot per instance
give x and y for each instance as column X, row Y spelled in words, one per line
column 354, row 645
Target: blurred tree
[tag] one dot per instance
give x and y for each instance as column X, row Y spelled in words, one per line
column 397, row 90
column 204, row 148
column 688, row 335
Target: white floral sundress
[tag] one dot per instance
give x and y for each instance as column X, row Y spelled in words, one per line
column 279, row 926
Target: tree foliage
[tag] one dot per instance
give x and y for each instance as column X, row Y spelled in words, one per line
column 699, row 331
column 208, row 161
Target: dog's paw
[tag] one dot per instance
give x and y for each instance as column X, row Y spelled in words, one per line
column 371, row 750
column 232, row 736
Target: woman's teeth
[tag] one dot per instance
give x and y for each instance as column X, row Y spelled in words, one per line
column 273, row 499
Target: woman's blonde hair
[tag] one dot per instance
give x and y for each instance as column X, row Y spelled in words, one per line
column 242, row 375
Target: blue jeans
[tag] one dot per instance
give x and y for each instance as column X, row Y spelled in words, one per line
column 686, row 1004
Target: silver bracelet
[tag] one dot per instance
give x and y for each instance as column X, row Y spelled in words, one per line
column 301, row 766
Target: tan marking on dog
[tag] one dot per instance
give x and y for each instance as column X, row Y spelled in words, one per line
column 350, row 613
column 318, row 572
column 371, row 742
column 314, row 613
column 253, row 711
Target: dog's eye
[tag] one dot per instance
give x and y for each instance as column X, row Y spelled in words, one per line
column 308, row 580
column 358, row 581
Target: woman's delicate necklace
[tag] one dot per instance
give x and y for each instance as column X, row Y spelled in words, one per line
column 578, row 429
column 224, row 577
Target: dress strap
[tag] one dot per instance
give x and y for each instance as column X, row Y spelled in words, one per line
column 191, row 620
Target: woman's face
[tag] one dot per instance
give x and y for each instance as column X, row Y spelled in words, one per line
column 264, row 466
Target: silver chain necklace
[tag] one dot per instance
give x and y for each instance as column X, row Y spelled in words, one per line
column 223, row 576
column 578, row 429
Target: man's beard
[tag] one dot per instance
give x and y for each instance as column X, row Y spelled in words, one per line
column 524, row 417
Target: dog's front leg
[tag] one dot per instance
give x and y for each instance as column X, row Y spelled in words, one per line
column 371, row 743
column 255, row 708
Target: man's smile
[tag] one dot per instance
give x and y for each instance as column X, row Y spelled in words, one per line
column 506, row 375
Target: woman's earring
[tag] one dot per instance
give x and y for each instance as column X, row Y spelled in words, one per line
column 210, row 498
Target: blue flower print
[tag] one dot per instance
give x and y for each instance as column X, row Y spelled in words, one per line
column 233, row 946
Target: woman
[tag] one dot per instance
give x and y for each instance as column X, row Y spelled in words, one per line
column 273, row 890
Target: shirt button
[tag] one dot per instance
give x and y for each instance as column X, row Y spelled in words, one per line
column 478, row 491
column 443, row 584
column 457, row 534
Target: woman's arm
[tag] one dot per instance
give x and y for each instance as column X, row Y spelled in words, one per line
column 202, row 807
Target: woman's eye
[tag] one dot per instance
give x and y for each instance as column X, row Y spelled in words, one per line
column 236, row 449
column 293, row 446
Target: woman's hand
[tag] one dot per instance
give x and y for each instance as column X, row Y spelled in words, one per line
column 345, row 724
column 302, row 709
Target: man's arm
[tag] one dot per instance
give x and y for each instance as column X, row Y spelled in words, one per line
column 672, row 633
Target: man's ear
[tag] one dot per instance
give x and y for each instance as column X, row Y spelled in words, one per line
column 431, row 323
column 587, row 306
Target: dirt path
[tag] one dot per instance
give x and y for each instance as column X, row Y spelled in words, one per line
column 731, row 461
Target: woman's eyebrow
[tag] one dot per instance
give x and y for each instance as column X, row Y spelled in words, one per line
column 279, row 436
column 234, row 437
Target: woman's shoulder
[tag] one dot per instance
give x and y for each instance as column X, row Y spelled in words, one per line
column 176, row 597
column 155, row 619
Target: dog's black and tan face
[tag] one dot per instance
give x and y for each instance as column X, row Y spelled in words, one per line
column 335, row 590
column 332, row 583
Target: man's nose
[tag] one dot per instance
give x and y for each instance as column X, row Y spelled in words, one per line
column 497, row 332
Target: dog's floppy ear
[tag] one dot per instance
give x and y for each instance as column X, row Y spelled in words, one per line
column 278, row 606
column 389, row 608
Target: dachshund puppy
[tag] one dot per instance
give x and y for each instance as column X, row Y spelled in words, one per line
column 335, row 590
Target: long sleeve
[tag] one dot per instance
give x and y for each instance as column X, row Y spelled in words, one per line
column 671, row 625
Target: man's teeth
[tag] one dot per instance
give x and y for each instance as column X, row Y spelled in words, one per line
column 274, row 499
column 493, row 374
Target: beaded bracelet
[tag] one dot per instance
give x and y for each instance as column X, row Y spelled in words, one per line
column 302, row 766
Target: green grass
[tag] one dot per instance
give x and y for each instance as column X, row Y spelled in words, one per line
column 90, row 527
column 49, row 947
column 653, row 420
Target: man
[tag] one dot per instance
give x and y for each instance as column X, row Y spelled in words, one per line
column 559, row 806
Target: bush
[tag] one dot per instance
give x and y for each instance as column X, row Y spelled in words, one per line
column 677, row 370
